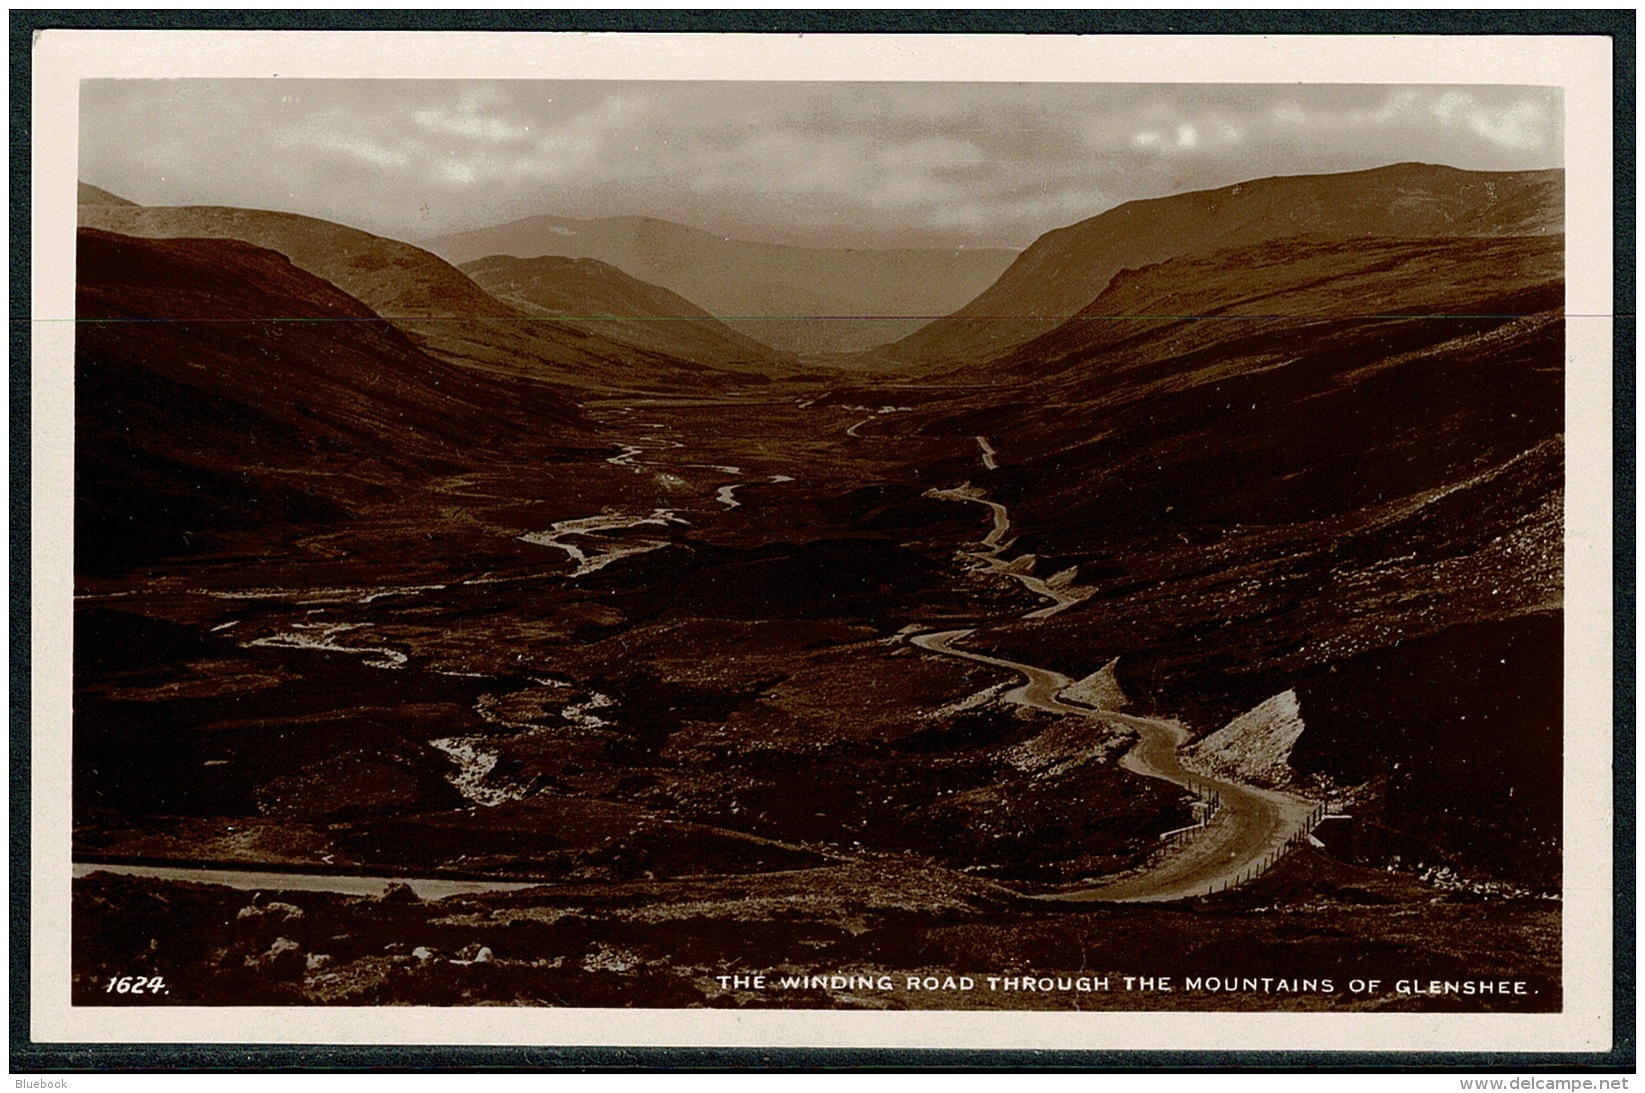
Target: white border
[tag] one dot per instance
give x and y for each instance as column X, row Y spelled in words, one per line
column 1581, row 66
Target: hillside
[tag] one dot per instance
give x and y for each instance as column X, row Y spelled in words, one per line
column 427, row 298
column 394, row 279
column 1172, row 309
column 266, row 399
column 1065, row 269
column 1312, row 464
column 595, row 296
column 800, row 299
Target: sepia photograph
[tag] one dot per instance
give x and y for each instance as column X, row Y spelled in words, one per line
column 796, row 545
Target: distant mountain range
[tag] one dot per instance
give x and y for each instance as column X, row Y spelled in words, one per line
column 803, row 299
column 663, row 301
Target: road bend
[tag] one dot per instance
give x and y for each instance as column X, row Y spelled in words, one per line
column 1248, row 830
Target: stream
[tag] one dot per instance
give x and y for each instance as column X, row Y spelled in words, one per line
column 594, row 554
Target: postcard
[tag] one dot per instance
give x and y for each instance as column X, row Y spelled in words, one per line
column 823, row 541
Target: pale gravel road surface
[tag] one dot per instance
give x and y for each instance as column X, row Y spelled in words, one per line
column 1250, row 826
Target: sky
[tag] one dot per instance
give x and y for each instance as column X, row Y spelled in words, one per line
column 818, row 164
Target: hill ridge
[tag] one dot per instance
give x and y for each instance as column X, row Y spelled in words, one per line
column 1066, row 268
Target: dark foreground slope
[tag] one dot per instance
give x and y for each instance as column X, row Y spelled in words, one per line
column 1329, row 467
column 801, row 299
column 219, row 388
column 1065, row 269
column 432, row 302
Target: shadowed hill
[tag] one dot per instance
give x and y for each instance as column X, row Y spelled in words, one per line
column 220, row 387
column 394, row 279
column 1065, row 269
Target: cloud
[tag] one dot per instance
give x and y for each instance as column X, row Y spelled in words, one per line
column 362, row 149
column 1523, row 124
column 480, row 113
column 471, row 125
column 851, row 164
column 1528, row 121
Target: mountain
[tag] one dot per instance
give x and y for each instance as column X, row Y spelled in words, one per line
column 1411, row 360
column 394, row 279
column 1334, row 466
column 794, row 298
column 432, row 301
column 602, row 298
column 1172, row 310
column 219, row 388
column 1065, row 269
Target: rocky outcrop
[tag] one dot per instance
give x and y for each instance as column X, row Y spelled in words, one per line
column 1256, row 746
column 1099, row 690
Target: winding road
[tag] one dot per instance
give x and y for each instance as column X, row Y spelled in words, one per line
column 1249, row 829
column 988, row 454
column 1059, row 588
column 269, row 880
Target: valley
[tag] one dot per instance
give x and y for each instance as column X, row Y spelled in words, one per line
column 586, row 650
